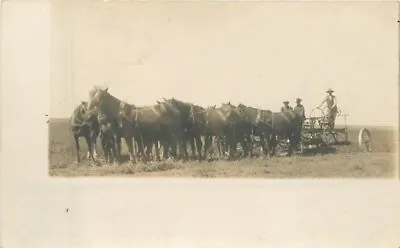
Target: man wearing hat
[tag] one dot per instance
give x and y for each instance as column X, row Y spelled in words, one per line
column 300, row 109
column 331, row 104
column 286, row 106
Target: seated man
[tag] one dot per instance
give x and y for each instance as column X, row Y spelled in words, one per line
column 286, row 106
column 331, row 104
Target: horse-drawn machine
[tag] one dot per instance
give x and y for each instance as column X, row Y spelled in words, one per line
column 317, row 134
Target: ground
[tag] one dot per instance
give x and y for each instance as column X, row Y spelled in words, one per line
column 345, row 162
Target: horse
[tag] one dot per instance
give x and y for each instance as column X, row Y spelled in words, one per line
column 83, row 125
column 157, row 123
column 192, row 133
column 145, row 136
column 165, row 121
column 285, row 124
column 258, row 128
column 110, row 107
column 217, row 122
column 241, row 128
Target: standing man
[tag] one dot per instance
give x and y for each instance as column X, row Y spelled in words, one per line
column 331, row 104
column 300, row 109
column 286, row 106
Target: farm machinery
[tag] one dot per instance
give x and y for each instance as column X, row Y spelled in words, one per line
column 317, row 134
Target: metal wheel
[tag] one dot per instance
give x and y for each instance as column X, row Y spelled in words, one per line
column 365, row 140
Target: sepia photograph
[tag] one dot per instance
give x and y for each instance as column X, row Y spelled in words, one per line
column 199, row 124
column 176, row 89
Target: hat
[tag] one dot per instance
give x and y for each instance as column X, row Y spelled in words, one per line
column 298, row 99
column 329, row 90
column 286, row 102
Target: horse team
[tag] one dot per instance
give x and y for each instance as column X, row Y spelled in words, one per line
column 171, row 124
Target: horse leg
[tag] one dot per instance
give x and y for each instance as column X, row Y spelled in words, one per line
column 157, row 148
column 173, row 144
column 142, row 152
column 183, row 145
column 108, row 146
column 206, row 144
column 271, row 145
column 245, row 147
column 222, row 146
column 150, row 145
column 164, row 140
column 140, row 138
column 199, row 146
column 76, row 138
column 192, row 146
column 118, row 145
column 274, row 145
column 93, row 139
column 129, row 143
column 89, row 144
column 94, row 146
column 290, row 149
column 219, row 148
column 225, row 145
column 148, row 152
column 165, row 149
column 174, row 147
column 115, row 155
column 265, row 144
column 292, row 144
column 230, row 147
column 104, row 146
column 183, row 148
column 249, row 143
column 134, row 147
column 262, row 143
column 234, row 147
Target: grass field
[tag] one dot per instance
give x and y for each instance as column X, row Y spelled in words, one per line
column 345, row 162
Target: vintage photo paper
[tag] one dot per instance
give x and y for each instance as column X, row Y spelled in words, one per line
column 210, row 155
column 223, row 89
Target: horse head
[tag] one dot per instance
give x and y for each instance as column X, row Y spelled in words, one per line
column 96, row 97
column 197, row 114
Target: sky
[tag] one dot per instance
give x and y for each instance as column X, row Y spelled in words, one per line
column 255, row 53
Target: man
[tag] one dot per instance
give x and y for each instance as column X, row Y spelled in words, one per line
column 331, row 104
column 286, row 106
column 300, row 109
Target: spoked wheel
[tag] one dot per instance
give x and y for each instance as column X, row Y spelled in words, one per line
column 365, row 140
